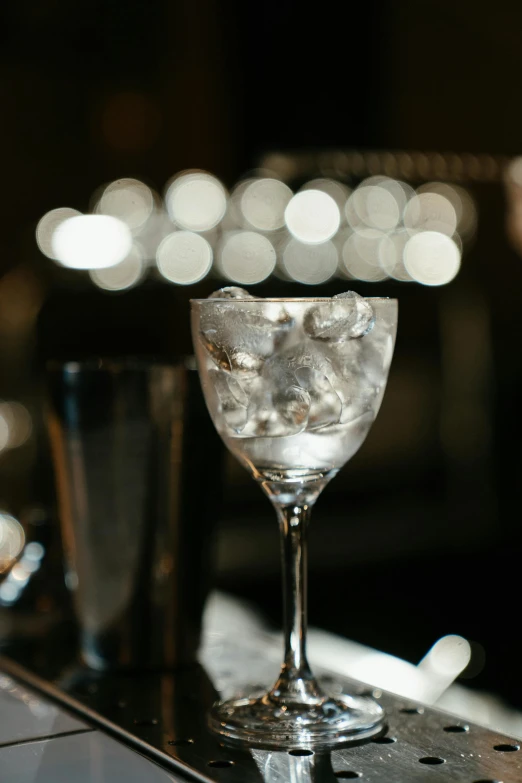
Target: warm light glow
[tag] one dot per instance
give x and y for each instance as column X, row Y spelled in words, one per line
column 15, row 425
column 247, row 257
column 514, row 171
column 312, row 216
column 184, row 257
column 431, row 258
column 129, row 200
column 263, row 203
column 48, row 225
column 430, row 211
column 121, row 276
column 91, row 242
column 12, row 539
column 310, row 264
column 4, row 432
column 196, row 201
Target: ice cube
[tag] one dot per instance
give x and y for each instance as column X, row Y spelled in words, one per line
column 240, row 339
column 278, row 408
column 325, row 404
column 344, row 317
column 233, row 399
column 231, row 292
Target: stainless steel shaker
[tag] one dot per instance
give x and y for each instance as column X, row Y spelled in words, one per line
column 137, row 468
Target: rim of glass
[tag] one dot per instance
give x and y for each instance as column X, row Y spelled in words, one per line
column 304, row 299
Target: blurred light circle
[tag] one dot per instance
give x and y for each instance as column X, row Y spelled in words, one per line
column 16, row 425
column 157, row 227
column 184, row 257
column 430, row 211
column 196, row 201
column 310, row 264
column 263, row 203
column 129, row 200
column 337, row 190
column 355, row 254
column 312, row 216
column 365, row 243
column 391, row 252
column 47, row 226
column 462, row 202
column 34, row 551
column 373, row 206
column 9, row 592
column 4, row 431
column 120, row 276
column 247, row 257
column 514, row 171
column 91, row 242
column 12, row 539
column 432, row 258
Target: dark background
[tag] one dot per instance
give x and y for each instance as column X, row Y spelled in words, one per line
column 419, row 535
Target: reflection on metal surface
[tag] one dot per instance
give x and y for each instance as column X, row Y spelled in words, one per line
column 125, row 441
column 277, row 767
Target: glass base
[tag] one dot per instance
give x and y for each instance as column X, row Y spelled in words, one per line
column 261, row 722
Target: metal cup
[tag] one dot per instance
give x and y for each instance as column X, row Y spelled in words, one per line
column 137, row 466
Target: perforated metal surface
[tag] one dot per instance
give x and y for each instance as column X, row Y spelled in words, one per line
column 165, row 716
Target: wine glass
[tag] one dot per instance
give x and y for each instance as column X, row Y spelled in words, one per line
column 293, row 387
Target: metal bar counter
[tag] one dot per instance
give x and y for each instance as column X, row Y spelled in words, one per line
column 83, row 725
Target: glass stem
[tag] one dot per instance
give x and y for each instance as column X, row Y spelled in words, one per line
column 296, row 683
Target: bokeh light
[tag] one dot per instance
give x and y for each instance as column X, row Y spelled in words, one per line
column 91, row 242
column 263, row 203
column 150, row 235
column 312, row 216
column 246, row 257
column 310, row 264
column 430, row 211
column 373, row 206
column 336, row 190
column 431, row 258
column 121, row 276
column 48, row 225
column 184, row 257
column 15, row 425
column 4, row 432
column 391, row 255
column 461, row 201
column 129, row 200
column 196, row 201
column 360, row 256
column 12, row 539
